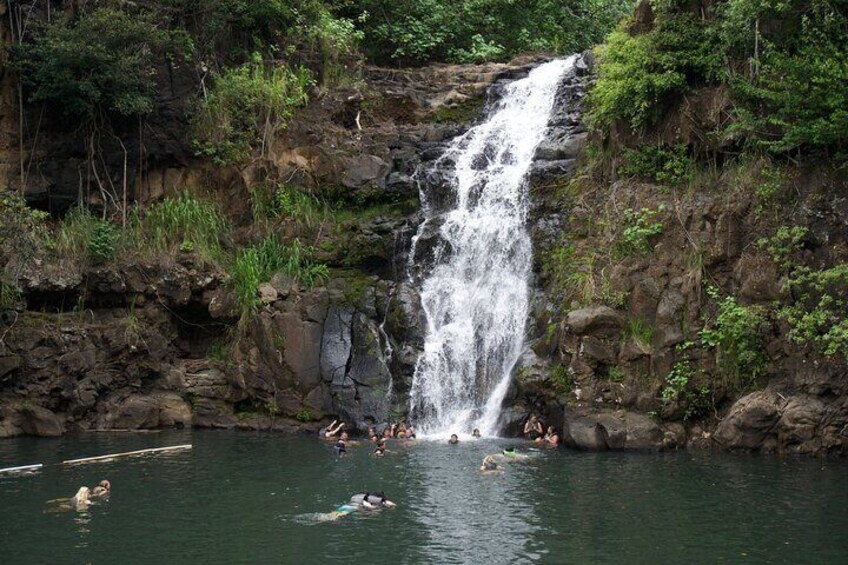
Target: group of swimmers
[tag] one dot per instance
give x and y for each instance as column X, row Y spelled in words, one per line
column 336, row 431
column 533, row 430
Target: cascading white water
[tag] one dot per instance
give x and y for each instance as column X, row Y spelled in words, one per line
column 475, row 297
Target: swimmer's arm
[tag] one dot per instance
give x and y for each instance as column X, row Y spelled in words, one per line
column 368, row 505
column 389, row 503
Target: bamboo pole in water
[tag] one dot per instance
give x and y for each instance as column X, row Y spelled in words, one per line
column 125, row 454
column 22, row 468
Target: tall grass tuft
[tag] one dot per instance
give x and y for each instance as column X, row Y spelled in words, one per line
column 287, row 202
column 258, row 263
column 75, row 232
column 169, row 224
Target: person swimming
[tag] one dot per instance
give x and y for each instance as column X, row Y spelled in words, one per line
column 331, row 431
column 359, row 501
column 454, row 439
column 512, row 456
column 475, row 433
column 81, row 499
column 490, row 465
column 340, row 447
column 103, row 489
column 381, row 448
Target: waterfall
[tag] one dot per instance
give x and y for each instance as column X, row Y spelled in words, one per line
column 475, row 291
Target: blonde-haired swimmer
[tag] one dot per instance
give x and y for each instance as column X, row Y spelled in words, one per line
column 81, row 499
column 490, row 465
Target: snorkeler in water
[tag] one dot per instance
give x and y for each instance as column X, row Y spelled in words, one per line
column 359, row 501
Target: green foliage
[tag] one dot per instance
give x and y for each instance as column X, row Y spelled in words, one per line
column 561, row 379
column 699, row 403
column 257, row 264
column 680, row 386
column 771, row 185
column 662, row 164
column 638, row 76
column 566, row 271
column 786, row 63
column 101, row 245
column 303, row 415
column 176, row 220
column 75, row 232
column 819, row 313
column 784, row 244
column 639, row 227
column 678, row 378
column 246, row 106
column 102, row 60
column 82, row 235
column 304, row 208
column 798, row 94
column 640, row 331
column 419, row 31
column 737, row 336
column 617, row 374
column 23, row 235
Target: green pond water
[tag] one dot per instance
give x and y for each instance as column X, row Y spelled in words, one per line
column 240, row 497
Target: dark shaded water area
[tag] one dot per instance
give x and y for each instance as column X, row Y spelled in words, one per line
column 254, row 497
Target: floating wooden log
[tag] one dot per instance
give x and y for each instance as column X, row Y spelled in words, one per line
column 125, row 454
column 22, row 468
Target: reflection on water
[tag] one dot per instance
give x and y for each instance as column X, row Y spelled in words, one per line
column 253, row 497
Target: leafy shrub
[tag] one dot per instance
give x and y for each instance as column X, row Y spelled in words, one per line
column 561, row 379
column 784, row 244
column 102, row 60
column 639, row 75
column 798, row 96
column 246, row 106
column 737, row 336
column 662, row 164
column 819, row 312
column 678, row 378
column 414, row 32
column 23, row 236
column 303, row 415
column 639, row 227
column 101, row 245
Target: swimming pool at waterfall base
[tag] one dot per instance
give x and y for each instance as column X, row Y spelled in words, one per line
column 248, row 497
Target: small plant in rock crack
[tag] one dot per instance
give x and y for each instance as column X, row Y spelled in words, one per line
column 640, row 226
